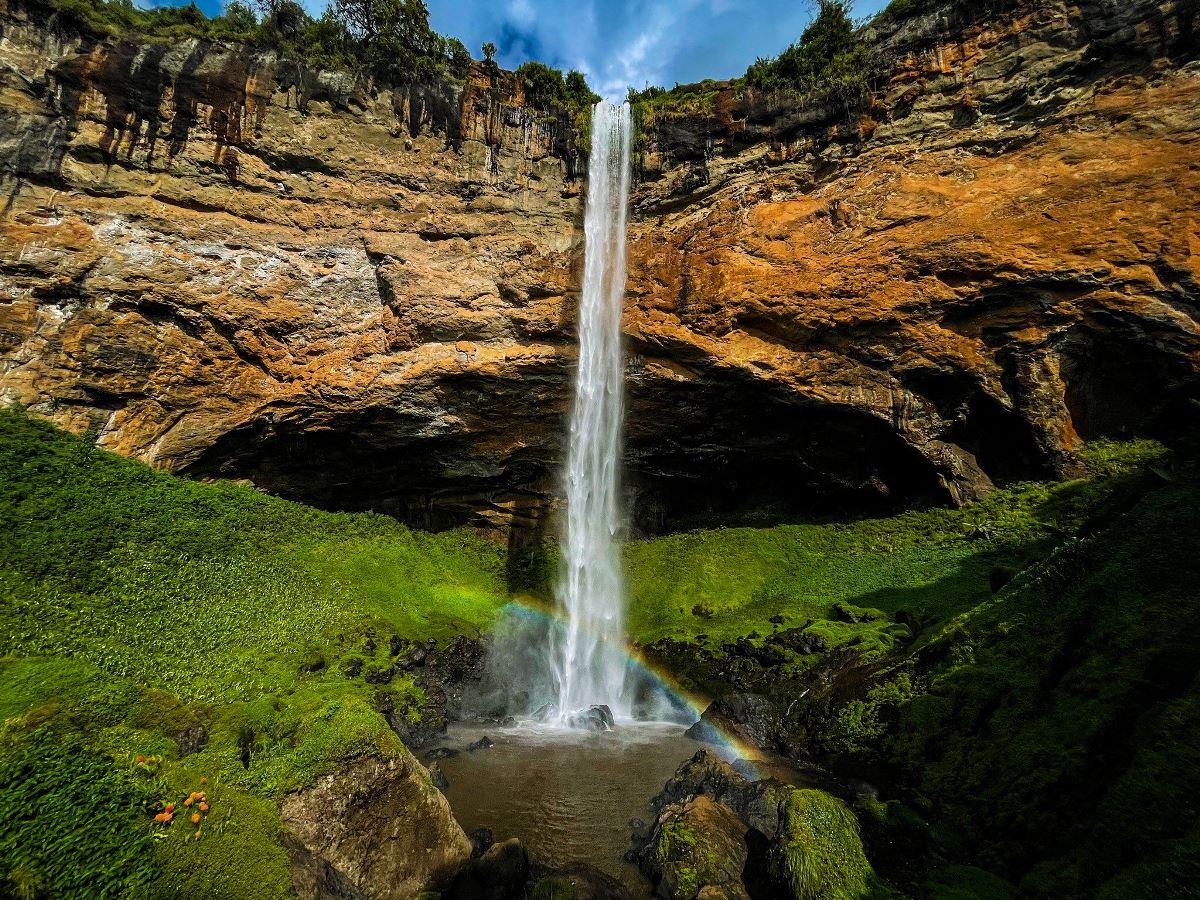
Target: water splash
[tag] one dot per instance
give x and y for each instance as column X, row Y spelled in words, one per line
column 589, row 658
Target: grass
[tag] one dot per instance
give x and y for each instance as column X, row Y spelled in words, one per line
column 142, row 610
column 212, row 591
column 931, row 564
column 823, row 857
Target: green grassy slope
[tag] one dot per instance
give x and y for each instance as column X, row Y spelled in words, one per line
column 1052, row 632
column 140, row 610
column 931, row 564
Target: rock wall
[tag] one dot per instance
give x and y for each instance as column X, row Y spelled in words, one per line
column 224, row 264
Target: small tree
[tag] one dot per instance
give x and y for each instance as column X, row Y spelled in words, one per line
column 578, row 91
column 489, row 52
column 459, row 57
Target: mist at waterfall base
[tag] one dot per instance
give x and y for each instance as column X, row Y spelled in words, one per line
column 521, row 681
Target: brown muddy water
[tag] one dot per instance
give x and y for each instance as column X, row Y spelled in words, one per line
column 569, row 795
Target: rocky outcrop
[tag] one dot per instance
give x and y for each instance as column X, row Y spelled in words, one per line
column 228, row 265
column 720, row 835
column 376, row 829
column 991, row 263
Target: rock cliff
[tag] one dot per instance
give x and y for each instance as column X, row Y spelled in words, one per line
column 225, row 264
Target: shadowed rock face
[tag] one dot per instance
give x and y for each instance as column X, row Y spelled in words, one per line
column 231, row 267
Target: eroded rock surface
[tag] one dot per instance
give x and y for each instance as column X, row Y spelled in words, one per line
column 378, row 829
column 227, row 266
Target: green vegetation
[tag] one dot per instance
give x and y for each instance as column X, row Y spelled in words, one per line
column 388, row 40
column 547, row 89
column 828, row 63
column 1056, row 728
column 145, row 614
column 823, row 856
column 916, row 568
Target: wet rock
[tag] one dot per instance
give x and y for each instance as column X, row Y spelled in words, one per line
column 396, row 645
column 379, row 676
column 798, row 641
column 500, row 873
column 698, row 849
column 753, row 718
column 438, row 777
column 440, row 753
column 594, row 718
column 755, row 802
column 379, row 825
column 507, row 722
column 545, row 712
column 429, row 725
column 416, row 658
column 353, row 668
column 481, row 839
column 484, row 743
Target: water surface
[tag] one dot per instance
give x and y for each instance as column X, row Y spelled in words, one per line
column 567, row 795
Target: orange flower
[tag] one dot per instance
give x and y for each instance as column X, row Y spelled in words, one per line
column 141, row 758
column 161, row 817
column 203, row 807
column 197, row 834
column 170, row 807
column 187, row 802
column 203, row 780
column 195, row 818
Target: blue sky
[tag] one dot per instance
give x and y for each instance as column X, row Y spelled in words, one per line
column 618, row 43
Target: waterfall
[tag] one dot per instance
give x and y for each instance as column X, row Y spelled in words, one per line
column 589, row 654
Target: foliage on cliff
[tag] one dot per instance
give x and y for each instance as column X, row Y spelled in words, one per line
column 828, row 63
column 391, row 41
column 207, row 623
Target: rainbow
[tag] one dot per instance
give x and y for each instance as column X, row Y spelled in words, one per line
column 730, row 745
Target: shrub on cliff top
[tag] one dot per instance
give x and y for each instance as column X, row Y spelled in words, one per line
column 828, row 61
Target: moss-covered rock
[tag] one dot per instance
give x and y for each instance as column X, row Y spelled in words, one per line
column 697, row 845
column 818, row 853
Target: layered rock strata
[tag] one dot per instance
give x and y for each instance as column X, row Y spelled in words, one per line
column 227, row 265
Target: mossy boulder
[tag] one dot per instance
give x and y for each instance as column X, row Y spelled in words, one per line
column 818, row 853
column 698, row 849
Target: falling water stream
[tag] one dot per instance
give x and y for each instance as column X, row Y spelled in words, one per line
column 589, row 653
column 563, row 783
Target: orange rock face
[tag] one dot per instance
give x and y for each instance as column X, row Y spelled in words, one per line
column 224, row 267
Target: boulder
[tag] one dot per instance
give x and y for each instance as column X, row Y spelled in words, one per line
column 756, row 802
column 594, row 718
column 698, row 849
column 377, row 827
column 818, row 854
column 438, row 777
column 481, row 841
column 752, row 718
column 500, row 873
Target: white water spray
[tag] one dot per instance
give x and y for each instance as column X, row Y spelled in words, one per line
column 589, row 656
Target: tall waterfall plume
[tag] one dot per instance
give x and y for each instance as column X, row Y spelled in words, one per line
column 590, row 659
